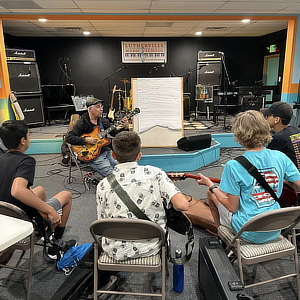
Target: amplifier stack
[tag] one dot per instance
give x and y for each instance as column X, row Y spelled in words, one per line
column 24, row 81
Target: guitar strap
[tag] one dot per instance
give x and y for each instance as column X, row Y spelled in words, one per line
column 101, row 125
column 255, row 173
column 123, row 195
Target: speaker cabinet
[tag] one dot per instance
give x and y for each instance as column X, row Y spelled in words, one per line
column 209, row 73
column 195, row 142
column 186, row 105
column 24, row 77
column 32, row 108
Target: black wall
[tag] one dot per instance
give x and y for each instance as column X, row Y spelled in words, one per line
column 91, row 60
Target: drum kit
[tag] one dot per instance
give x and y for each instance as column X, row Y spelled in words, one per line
column 124, row 98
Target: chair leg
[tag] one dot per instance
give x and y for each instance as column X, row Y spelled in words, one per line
column 163, row 274
column 296, row 262
column 30, row 265
column 238, row 250
column 95, row 270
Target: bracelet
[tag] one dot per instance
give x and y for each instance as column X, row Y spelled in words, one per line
column 213, row 187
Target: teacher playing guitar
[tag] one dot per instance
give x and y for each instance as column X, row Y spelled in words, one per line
column 92, row 121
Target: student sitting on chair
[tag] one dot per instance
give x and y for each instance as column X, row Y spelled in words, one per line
column 16, row 176
column 239, row 196
column 146, row 186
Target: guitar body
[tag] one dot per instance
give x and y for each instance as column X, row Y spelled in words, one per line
column 90, row 152
column 111, row 114
column 200, row 215
column 288, row 197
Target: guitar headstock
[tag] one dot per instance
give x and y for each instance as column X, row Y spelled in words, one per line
column 133, row 113
column 177, row 176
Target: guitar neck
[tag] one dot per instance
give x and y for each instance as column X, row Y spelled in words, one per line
column 182, row 176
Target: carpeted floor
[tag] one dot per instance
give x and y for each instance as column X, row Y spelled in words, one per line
column 47, row 279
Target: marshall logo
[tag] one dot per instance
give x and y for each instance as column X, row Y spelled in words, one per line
column 209, row 55
column 19, row 53
column 209, row 72
column 26, row 110
column 24, row 75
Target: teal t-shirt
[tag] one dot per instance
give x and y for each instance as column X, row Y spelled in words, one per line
column 275, row 166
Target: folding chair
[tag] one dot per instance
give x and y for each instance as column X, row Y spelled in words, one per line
column 249, row 253
column 11, row 210
column 128, row 229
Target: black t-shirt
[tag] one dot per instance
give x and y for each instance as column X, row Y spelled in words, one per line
column 288, row 142
column 12, row 165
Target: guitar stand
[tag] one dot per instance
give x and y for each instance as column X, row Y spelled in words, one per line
column 73, row 158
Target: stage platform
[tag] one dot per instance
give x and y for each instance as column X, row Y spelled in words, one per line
column 48, row 139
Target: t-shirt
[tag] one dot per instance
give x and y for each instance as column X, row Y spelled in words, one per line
column 288, row 141
column 12, row 165
column 146, row 185
column 275, row 166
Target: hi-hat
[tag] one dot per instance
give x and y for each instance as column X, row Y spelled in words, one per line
column 125, row 80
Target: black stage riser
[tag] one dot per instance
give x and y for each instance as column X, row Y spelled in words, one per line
column 24, row 77
column 32, row 108
column 209, row 73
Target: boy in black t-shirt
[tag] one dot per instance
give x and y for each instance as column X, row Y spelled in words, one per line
column 16, row 177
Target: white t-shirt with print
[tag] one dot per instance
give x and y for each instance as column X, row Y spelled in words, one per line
column 146, row 186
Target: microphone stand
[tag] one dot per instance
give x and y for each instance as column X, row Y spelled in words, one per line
column 107, row 79
column 226, row 84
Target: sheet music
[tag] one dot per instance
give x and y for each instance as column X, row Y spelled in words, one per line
column 160, row 102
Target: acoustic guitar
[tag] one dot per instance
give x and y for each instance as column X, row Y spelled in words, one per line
column 288, row 196
column 111, row 113
column 89, row 152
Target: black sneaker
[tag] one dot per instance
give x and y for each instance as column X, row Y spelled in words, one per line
column 59, row 248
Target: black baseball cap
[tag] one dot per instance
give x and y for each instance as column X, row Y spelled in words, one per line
column 279, row 109
column 93, row 101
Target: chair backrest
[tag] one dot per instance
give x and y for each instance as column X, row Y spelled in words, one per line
column 127, row 229
column 12, row 210
column 277, row 219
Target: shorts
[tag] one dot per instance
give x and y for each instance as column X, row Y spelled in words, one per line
column 55, row 204
column 225, row 215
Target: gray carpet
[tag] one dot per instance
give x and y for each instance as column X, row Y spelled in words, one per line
column 46, row 279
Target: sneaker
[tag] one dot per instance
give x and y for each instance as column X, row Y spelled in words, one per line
column 60, row 247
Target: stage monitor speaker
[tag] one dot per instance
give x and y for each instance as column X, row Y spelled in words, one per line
column 20, row 55
column 32, row 108
column 24, row 77
column 195, row 142
column 209, row 73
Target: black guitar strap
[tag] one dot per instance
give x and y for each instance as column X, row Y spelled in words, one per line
column 255, row 173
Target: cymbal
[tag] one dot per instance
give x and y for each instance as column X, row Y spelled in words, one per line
column 125, row 80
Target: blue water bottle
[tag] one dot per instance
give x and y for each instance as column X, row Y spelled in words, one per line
column 178, row 274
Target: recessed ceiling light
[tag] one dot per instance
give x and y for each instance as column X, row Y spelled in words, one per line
column 86, row 33
column 198, row 33
column 246, row 20
column 43, row 20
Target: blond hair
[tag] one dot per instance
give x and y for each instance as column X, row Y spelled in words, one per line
column 251, row 129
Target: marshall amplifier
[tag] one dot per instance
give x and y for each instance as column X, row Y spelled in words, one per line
column 24, row 77
column 209, row 56
column 209, row 73
column 32, row 108
column 19, row 55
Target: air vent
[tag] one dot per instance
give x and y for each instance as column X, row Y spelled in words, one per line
column 159, row 24
column 215, row 28
column 69, row 29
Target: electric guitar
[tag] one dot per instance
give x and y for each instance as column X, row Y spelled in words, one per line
column 288, row 196
column 89, row 152
column 111, row 113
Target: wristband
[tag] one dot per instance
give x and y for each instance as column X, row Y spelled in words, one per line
column 213, row 187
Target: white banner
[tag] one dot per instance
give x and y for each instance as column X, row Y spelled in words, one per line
column 144, row 52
